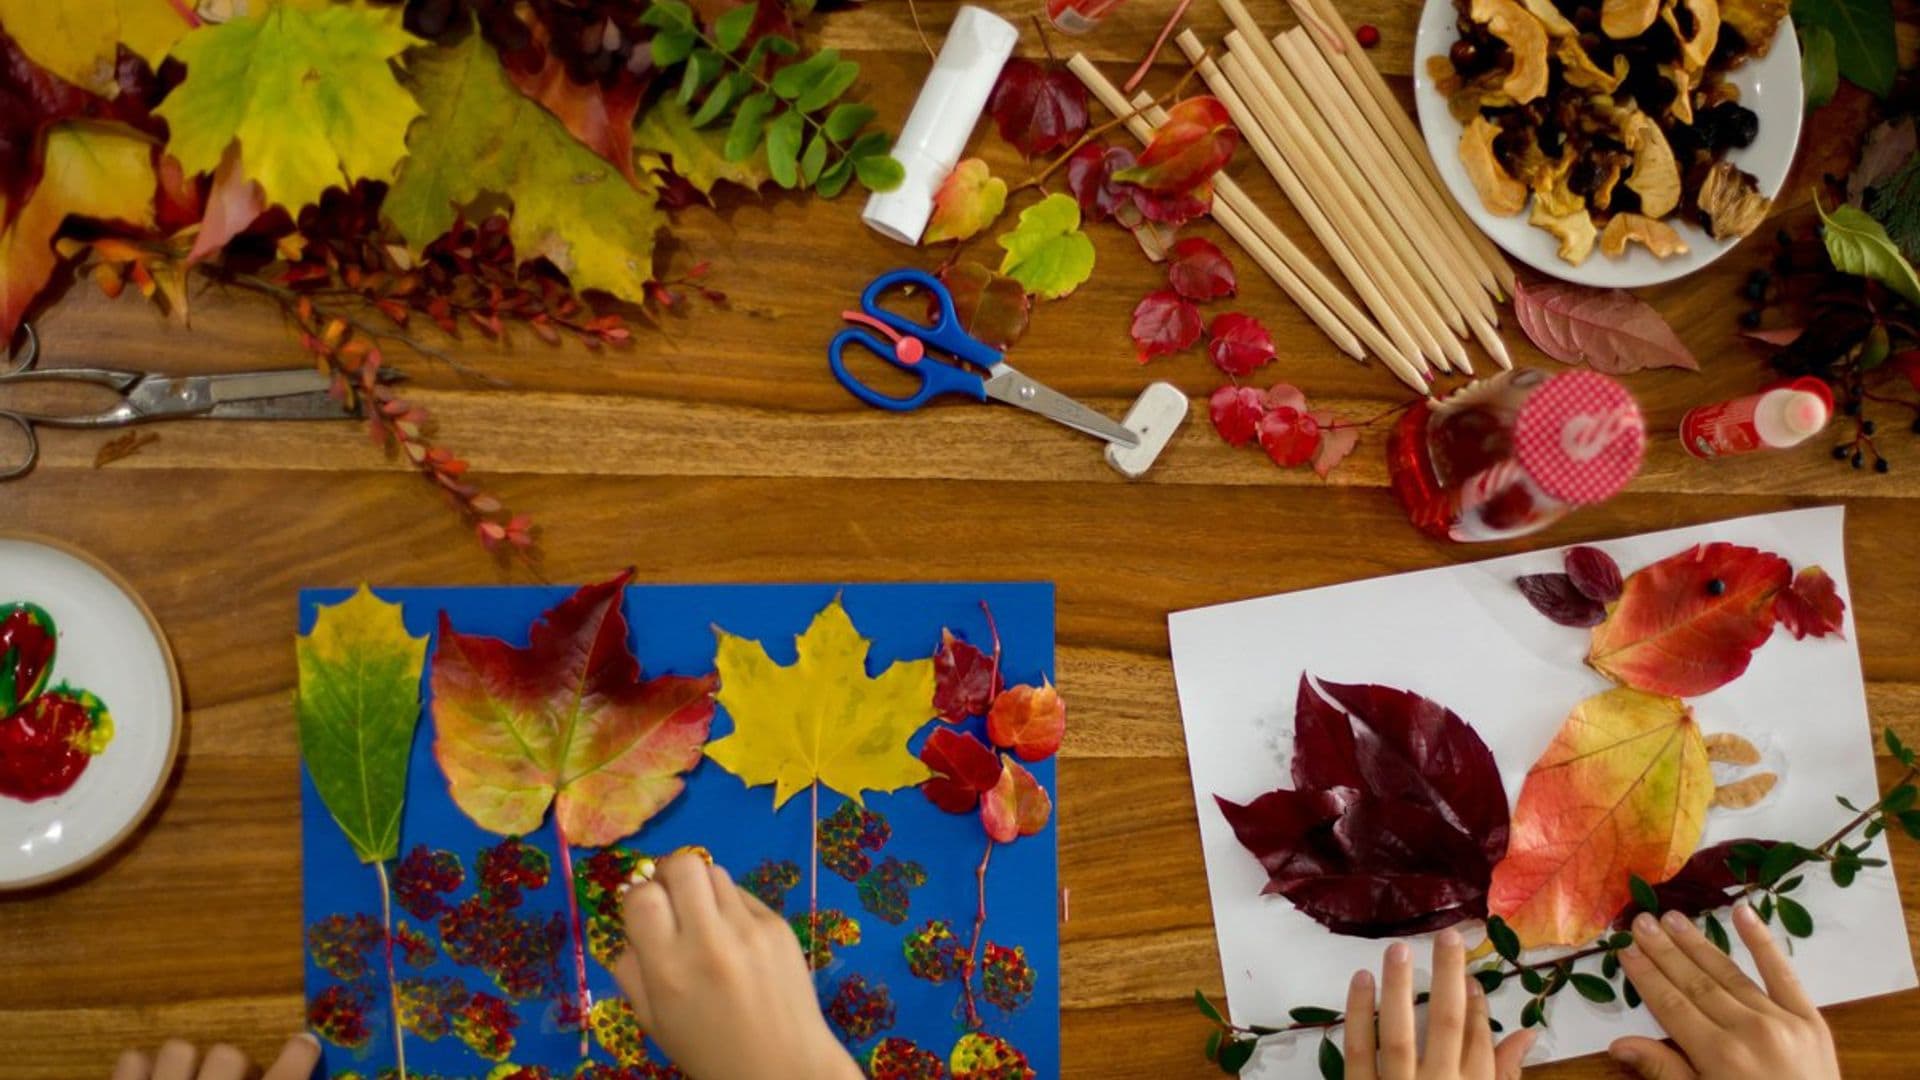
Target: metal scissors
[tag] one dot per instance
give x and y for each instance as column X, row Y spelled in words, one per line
column 292, row 394
column 907, row 345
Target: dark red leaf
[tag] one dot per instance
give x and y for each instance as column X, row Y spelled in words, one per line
column 1090, row 177
column 964, row 769
column 1811, row 606
column 1163, row 322
column 1700, row 886
column 1238, row 343
column 1556, row 597
column 1038, row 109
column 1397, row 820
column 1194, row 142
column 992, row 307
column 965, row 680
column 1594, row 573
column 1236, row 413
column 1290, row 437
column 1199, row 271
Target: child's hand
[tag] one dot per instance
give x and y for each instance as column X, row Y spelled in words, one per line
column 1459, row 1040
column 176, row 1060
column 719, row 982
column 1728, row 1028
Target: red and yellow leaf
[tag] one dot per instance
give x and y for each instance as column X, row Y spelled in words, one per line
column 1194, row 142
column 1690, row 622
column 1028, row 720
column 969, row 199
column 992, row 307
column 964, row 769
column 566, row 720
column 1622, row 791
column 1017, row 806
column 1163, row 322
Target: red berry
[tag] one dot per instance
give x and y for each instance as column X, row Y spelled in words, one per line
column 1367, row 34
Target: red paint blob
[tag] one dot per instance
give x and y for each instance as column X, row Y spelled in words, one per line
column 41, row 747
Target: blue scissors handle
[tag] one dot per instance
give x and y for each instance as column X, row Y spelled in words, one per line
column 945, row 334
column 936, row 377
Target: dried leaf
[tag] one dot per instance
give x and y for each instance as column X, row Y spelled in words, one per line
column 1594, row 573
column 963, row 768
column 1238, row 343
column 1163, row 322
column 123, row 446
column 1811, row 606
column 822, row 718
column 1199, row 271
column 566, row 720
column 1397, row 816
column 1038, row 109
column 1028, row 720
column 78, row 39
column 1556, row 597
column 599, row 115
column 1016, row 806
column 969, row 199
column 357, row 704
column 1337, row 440
column 1690, row 622
column 1609, row 329
column 233, row 203
column 1192, row 144
column 1744, row 792
column 965, row 680
column 1887, row 146
column 1621, row 792
column 1701, row 885
column 1047, row 253
column 992, row 307
column 1236, row 412
column 1726, row 748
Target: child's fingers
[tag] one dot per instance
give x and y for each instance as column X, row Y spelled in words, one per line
column 1447, row 997
column 1652, row 1060
column 1665, row 1001
column 627, row 976
column 1476, row 1050
column 689, row 887
column 175, row 1061
column 1782, row 984
column 1710, row 959
column 223, row 1062
column 297, row 1059
column 1512, row 1053
column 133, row 1065
column 1701, row 990
column 647, row 914
column 1357, row 1037
column 1399, row 1040
column 726, row 896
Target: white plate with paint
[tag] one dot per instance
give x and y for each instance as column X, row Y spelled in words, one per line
column 105, row 644
column 1769, row 85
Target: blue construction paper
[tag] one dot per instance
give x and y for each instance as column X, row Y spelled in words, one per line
column 671, row 630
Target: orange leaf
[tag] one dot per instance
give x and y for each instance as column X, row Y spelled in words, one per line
column 1623, row 790
column 1690, row 622
column 233, row 203
column 1028, row 720
column 1017, row 806
column 1194, row 142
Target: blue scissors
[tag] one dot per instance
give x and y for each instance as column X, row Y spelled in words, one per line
column 906, row 344
column 293, row 394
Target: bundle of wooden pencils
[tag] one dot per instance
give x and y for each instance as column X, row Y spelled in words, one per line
column 1322, row 120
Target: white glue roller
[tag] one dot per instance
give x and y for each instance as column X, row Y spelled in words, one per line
column 942, row 120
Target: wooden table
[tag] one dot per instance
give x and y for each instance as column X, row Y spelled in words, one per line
column 717, row 449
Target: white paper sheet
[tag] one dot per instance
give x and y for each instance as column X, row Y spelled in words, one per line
column 1465, row 637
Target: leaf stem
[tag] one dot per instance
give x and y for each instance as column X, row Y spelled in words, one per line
column 813, row 880
column 979, row 925
column 393, row 990
column 791, row 106
column 1098, row 130
column 186, row 12
column 915, row 12
column 993, row 630
column 582, row 1000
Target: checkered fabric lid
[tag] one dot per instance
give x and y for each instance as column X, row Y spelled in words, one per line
column 1580, row 437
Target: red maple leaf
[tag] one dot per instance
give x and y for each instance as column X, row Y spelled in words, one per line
column 1236, row 412
column 1238, row 343
column 965, row 680
column 1163, row 322
column 1811, row 606
column 964, row 769
column 1198, row 270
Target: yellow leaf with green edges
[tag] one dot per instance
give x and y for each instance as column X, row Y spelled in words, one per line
column 77, row 39
column 969, row 199
column 697, row 155
column 1047, row 253
column 482, row 138
column 821, row 718
column 357, row 704
column 310, row 93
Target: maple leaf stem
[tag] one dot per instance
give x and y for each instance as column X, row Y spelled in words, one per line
column 1045, row 41
column 192, row 18
column 1095, row 132
column 993, row 630
column 393, row 992
column 924, row 43
column 582, row 998
column 813, row 879
column 979, row 926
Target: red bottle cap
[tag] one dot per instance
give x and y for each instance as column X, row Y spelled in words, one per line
column 1580, row 437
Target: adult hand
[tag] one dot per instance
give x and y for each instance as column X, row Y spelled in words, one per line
column 1726, row 1025
column 717, row 979
column 1459, row 1039
column 176, row 1060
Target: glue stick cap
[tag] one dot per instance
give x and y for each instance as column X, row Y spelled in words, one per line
column 1580, row 436
column 942, row 120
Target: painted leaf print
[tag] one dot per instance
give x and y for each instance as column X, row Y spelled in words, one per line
column 1689, row 623
column 566, row 721
column 47, row 736
column 1622, row 791
column 822, row 718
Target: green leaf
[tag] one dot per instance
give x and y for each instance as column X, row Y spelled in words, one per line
column 813, row 159
column 1790, row 884
column 672, row 46
column 1213, row 1043
column 1873, row 862
column 1532, row 981
column 1897, row 748
column 1846, row 803
column 1333, row 1065
column 1312, row 1014
column 1489, row 979
column 720, row 97
column 1610, row 964
column 1717, row 934
column 1857, row 244
column 1844, row 871
column 1863, row 38
column 1780, row 859
column 834, row 180
column 1899, row 799
column 1235, row 1055
column 357, row 705
column 1207, row 1008
column 696, row 154
column 1557, row 981
column 1819, row 71
column 1875, row 828
column 1910, row 821
column 783, row 148
column 1795, row 918
column 830, row 86
column 730, row 29
column 1764, row 909
column 1629, row 994
column 1643, row 894
column 743, row 136
column 1505, row 941
column 796, row 79
column 847, row 118
column 702, row 66
column 1620, row 940
column 667, row 15
column 879, row 172
column 1593, row 987
column 1533, row 1013
column 1047, row 253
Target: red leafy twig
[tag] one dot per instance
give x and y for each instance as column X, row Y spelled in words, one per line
column 583, row 1000
column 973, row 950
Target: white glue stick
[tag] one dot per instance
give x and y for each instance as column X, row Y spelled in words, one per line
column 942, row 120
column 1774, row 419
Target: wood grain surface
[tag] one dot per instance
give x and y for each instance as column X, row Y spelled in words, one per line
column 717, row 448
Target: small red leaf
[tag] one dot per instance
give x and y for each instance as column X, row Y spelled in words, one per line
column 1238, row 343
column 1038, row 109
column 1594, row 573
column 992, row 307
column 1194, row 142
column 1030, row 721
column 1017, row 806
column 1556, row 597
column 1090, row 177
column 1811, row 606
column 1199, row 271
column 1704, row 883
column 1163, row 322
column 964, row 769
column 965, row 680
column 1336, row 442
column 1236, row 413
column 1289, row 436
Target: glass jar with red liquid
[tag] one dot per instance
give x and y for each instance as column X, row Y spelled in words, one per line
column 1510, row 455
column 1078, row 16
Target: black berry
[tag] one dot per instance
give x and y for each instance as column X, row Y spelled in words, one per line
column 1750, row 319
column 1715, row 587
column 1851, row 407
column 1839, row 453
column 1881, row 466
column 1866, row 427
column 1859, row 461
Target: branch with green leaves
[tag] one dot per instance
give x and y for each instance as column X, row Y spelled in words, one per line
column 1763, row 874
column 807, row 145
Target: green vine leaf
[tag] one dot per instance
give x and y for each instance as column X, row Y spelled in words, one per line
column 1593, row 987
column 1858, row 244
column 1047, row 253
column 1863, row 38
column 1333, row 1065
column 1819, row 70
column 1207, row 1008
column 1235, row 1055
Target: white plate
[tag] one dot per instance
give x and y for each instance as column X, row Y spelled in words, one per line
column 109, row 644
column 1770, row 86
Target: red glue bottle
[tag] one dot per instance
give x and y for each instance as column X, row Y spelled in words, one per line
column 1774, row 419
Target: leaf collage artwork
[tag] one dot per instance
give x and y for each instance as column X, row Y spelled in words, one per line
column 557, row 737
column 1536, row 786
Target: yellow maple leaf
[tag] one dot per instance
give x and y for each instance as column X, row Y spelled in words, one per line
column 483, row 138
column 77, row 39
column 309, row 91
column 698, row 154
column 821, row 718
